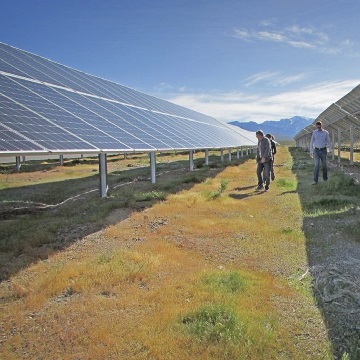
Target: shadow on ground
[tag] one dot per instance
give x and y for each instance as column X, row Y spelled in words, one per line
column 39, row 220
column 332, row 229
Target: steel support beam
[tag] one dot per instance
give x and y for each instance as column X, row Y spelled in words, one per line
column 206, row 156
column 152, row 167
column 103, row 175
column 191, row 160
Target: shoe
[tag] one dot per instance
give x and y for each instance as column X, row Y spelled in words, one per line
column 314, row 183
column 260, row 187
column 272, row 177
column 266, row 188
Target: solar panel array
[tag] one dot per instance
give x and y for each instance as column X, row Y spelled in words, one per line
column 48, row 107
column 343, row 116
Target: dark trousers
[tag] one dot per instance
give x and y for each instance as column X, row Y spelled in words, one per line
column 263, row 173
column 320, row 155
column 272, row 169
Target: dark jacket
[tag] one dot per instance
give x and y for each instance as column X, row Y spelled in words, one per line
column 265, row 147
column 273, row 146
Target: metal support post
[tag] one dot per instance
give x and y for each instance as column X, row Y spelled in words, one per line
column 18, row 163
column 103, row 175
column 339, row 145
column 351, row 145
column 191, row 160
column 152, row 167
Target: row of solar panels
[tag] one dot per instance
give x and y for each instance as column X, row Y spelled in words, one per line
column 48, row 107
column 343, row 116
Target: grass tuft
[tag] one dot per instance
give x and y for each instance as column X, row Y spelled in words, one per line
column 289, row 184
column 231, row 282
column 150, row 195
column 194, row 178
column 329, row 203
column 214, row 324
column 211, row 195
column 340, row 183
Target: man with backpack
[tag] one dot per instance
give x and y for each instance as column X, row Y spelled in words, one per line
column 263, row 158
column 273, row 150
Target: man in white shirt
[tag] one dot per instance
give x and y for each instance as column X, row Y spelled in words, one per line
column 320, row 141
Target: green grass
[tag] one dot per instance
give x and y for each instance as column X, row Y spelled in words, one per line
column 288, row 184
column 213, row 324
column 340, row 183
column 316, row 212
column 195, row 178
column 211, row 195
column 329, row 203
column 230, row 282
column 150, row 195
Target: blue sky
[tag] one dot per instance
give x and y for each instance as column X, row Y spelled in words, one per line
column 239, row 60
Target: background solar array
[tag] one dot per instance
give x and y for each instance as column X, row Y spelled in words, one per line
column 48, row 107
column 342, row 116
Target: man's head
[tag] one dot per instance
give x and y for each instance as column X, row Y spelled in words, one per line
column 259, row 134
column 318, row 125
column 269, row 136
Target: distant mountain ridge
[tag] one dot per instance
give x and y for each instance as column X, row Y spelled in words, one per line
column 284, row 129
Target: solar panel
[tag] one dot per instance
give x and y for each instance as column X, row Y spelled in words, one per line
column 36, row 129
column 48, row 71
column 341, row 116
column 12, row 141
column 49, row 107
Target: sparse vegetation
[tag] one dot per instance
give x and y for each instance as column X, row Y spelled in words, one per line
column 211, row 195
column 231, row 282
column 331, row 226
column 150, row 195
column 156, row 271
column 214, row 323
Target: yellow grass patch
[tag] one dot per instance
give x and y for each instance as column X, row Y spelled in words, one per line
column 126, row 296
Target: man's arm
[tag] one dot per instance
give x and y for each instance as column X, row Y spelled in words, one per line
column 268, row 151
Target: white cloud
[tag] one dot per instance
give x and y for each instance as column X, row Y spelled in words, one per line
column 162, row 87
column 301, row 44
column 242, row 34
column 274, row 78
column 347, row 43
column 290, row 79
column 266, row 23
column 299, row 30
column 272, row 36
column 260, row 77
column 298, row 37
column 309, row 101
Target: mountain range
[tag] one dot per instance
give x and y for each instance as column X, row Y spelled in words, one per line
column 284, row 129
